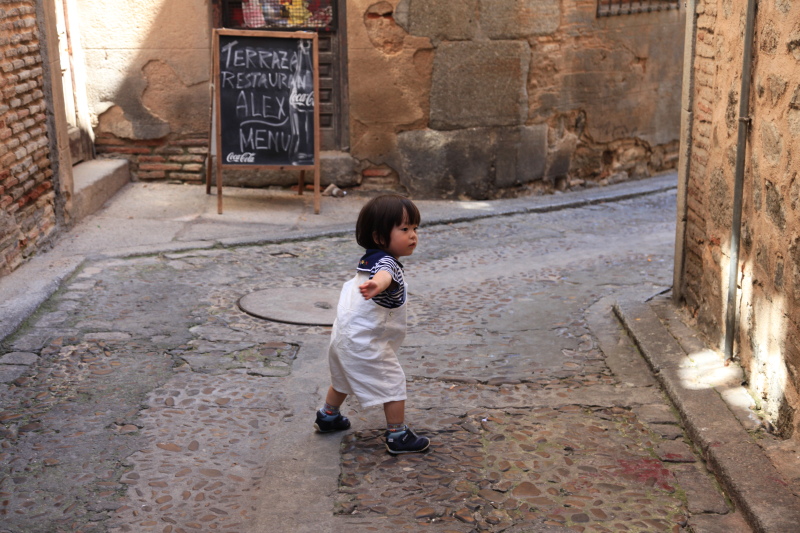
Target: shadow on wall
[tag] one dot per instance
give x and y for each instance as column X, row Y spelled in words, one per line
column 148, row 80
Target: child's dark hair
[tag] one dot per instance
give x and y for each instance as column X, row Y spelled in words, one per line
column 380, row 215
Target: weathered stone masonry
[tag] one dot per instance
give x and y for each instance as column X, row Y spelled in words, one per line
column 27, row 197
column 768, row 304
column 454, row 99
column 479, row 98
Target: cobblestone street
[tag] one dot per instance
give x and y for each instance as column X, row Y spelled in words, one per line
column 150, row 402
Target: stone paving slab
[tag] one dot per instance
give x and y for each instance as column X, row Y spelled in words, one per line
column 204, row 463
column 9, row 373
column 19, row 358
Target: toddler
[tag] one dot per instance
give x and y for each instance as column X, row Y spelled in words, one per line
column 370, row 324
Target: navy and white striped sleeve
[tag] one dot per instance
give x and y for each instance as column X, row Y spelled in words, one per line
column 391, row 297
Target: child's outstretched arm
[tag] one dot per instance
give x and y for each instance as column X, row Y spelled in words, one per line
column 379, row 283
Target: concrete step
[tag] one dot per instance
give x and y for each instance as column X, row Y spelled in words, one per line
column 95, row 182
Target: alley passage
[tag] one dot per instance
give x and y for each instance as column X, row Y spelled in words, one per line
column 156, row 405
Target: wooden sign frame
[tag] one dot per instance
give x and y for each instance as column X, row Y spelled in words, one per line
column 220, row 121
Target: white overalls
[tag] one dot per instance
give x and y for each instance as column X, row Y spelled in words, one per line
column 364, row 344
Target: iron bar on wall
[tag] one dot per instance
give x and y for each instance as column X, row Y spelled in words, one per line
column 611, row 8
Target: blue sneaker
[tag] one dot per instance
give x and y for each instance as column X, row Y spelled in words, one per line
column 329, row 423
column 406, row 442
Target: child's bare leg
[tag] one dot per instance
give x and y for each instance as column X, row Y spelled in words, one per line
column 334, row 397
column 395, row 412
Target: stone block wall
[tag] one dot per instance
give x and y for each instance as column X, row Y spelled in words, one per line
column 480, row 98
column 768, row 336
column 509, row 96
column 27, row 192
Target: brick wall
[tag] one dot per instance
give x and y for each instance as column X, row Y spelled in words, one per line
column 27, row 192
column 175, row 158
column 701, row 281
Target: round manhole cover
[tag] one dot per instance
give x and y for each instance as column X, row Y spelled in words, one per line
column 303, row 306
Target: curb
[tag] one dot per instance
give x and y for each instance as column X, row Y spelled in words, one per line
column 729, row 450
column 23, row 291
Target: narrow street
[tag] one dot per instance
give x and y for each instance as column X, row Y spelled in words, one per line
column 157, row 405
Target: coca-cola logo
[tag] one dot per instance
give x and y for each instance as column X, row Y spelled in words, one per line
column 301, row 99
column 247, row 157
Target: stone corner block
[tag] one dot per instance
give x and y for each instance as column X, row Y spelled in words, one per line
column 479, row 84
column 471, row 163
column 338, row 168
column 440, row 20
column 519, row 19
column 521, row 155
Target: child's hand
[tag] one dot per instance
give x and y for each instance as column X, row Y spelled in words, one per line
column 379, row 283
column 369, row 289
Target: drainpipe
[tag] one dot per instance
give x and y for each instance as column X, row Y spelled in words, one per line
column 685, row 154
column 741, row 148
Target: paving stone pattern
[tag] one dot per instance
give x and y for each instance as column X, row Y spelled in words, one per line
column 573, row 465
column 140, row 398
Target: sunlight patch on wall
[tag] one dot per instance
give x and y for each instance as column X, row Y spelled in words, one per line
column 767, row 368
column 724, row 267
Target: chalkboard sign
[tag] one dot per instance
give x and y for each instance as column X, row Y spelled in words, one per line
column 266, row 96
column 265, row 86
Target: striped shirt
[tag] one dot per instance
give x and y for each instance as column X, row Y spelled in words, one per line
column 375, row 260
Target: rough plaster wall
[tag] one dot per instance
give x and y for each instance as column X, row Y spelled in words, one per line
column 139, row 56
column 615, row 68
column 389, row 76
column 608, row 90
column 174, row 100
column 768, row 340
column 614, row 83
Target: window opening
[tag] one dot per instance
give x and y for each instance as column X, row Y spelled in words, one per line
column 318, row 15
column 610, row 8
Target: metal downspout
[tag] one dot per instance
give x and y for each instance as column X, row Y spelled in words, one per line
column 741, row 148
column 685, row 154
